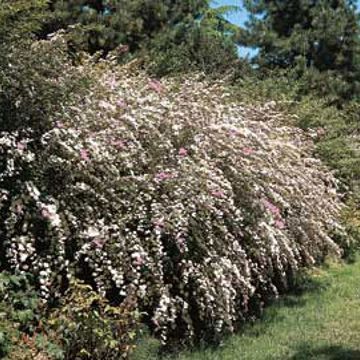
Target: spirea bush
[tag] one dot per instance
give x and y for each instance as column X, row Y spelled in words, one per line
column 168, row 195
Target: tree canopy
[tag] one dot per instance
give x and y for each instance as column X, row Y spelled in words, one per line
column 179, row 35
column 311, row 37
column 120, row 21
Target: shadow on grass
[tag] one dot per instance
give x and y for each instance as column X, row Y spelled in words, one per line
column 290, row 301
column 295, row 296
column 335, row 352
column 303, row 283
column 255, row 326
column 260, row 322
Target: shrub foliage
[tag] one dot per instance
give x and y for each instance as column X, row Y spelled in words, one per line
column 165, row 195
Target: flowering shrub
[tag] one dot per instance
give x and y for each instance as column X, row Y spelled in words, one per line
column 169, row 195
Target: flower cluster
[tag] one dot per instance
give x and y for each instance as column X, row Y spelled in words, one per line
column 170, row 194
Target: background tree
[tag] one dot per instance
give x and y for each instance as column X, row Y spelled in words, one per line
column 317, row 39
column 172, row 35
column 115, row 22
column 204, row 43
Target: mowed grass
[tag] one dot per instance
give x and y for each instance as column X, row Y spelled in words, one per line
column 322, row 323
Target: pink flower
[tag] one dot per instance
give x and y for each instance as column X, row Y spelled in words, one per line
column 156, row 85
column 112, row 83
column 18, row 209
column 121, row 104
column 122, row 49
column 280, row 224
column 138, row 259
column 271, row 207
column 247, row 150
column 45, row 213
column 182, row 152
column 106, row 105
column 118, row 144
column 21, row 145
column 99, row 243
column 84, row 154
column 181, row 243
column 159, row 223
column 320, row 132
column 233, row 132
column 161, row 176
column 218, row 193
column 59, row 125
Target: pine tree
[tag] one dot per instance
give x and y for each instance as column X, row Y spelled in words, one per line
column 173, row 35
column 318, row 39
column 204, row 43
column 114, row 22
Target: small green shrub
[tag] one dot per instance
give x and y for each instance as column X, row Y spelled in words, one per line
column 82, row 326
column 36, row 80
column 22, row 336
column 88, row 327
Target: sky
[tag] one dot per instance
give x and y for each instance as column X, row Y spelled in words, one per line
column 239, row 18
column 236, row 18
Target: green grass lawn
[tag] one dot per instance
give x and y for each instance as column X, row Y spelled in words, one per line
column 323, row 322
